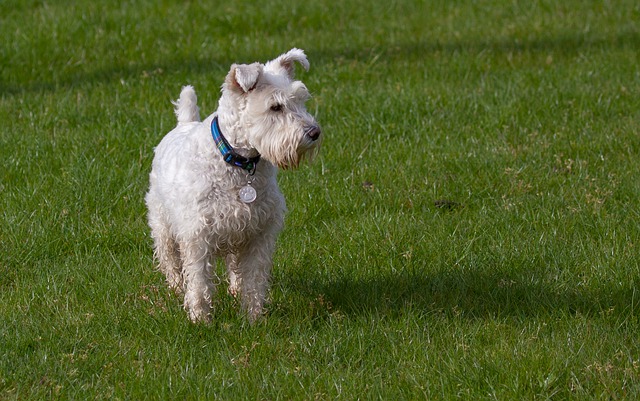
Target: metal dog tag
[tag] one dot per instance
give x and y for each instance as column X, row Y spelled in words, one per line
column 247, row 194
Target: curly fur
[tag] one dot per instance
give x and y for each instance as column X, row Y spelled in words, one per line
column 193, row 206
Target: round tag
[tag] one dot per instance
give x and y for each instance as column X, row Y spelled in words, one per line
column 247, row 194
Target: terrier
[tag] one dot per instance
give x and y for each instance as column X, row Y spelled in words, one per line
column 213, row 190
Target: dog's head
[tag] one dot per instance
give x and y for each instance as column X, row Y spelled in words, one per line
column 265, row 107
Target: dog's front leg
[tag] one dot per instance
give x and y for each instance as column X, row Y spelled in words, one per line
column 254, row 271
column 198, row 279
column 231, row 262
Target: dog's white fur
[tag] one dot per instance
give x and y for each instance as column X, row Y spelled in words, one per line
column 193, row 205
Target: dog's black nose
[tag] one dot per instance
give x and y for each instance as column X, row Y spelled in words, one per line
column 313, row 132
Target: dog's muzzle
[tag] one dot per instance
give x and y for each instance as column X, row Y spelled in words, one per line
column 312, row 132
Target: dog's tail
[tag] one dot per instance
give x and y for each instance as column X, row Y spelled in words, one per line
column 187, row 106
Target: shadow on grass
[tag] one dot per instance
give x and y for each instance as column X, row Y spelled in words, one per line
column 204, row 63
column 469, row 294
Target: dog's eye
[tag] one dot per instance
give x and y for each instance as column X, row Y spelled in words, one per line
column 276, row 107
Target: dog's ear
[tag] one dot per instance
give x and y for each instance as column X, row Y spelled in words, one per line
column 243, row 77
column 284, row 64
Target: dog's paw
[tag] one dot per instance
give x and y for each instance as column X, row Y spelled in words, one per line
column 233, row 290
column 199, row 316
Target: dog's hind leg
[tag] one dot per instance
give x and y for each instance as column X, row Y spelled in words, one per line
column 166, row 250
column 170, row 262
column 198, row 279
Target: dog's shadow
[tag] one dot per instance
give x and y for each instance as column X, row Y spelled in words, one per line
column 472, row 294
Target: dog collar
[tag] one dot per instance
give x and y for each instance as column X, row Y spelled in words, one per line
column 229, row 154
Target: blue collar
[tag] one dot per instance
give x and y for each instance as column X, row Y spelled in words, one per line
column 228, row 154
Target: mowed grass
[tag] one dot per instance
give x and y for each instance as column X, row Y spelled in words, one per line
column 469, row 231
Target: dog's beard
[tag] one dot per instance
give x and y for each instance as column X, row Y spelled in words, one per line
column 289, row 155
column 292, row 159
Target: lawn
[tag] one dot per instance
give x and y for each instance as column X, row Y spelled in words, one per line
column 469, row 231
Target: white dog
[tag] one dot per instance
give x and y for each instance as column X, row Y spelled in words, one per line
column 213, row 190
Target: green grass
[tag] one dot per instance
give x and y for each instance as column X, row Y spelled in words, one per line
column 469, row 231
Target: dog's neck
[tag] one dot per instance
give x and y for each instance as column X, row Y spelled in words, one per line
column 235, row 157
